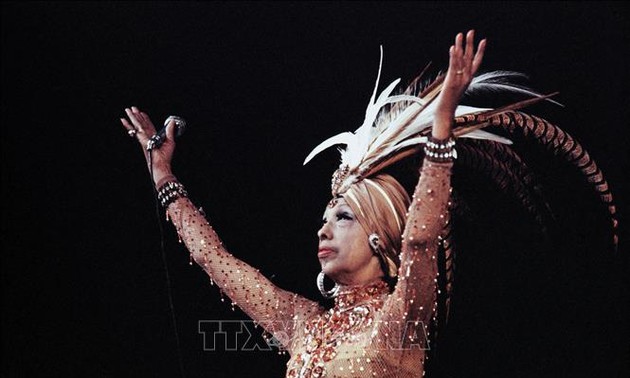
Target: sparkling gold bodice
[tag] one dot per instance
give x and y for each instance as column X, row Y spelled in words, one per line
column 369, row 332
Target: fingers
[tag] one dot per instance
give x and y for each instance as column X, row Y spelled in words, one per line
column 457, row 54
column 458, row 45
column 464, row 61
column 141, row 116
column 478, row 56
column 140, row 121
column 470, row 45
column 170, row 130
column 456, row 62
column 138, row 124
column 134, row 120
column 131, row 131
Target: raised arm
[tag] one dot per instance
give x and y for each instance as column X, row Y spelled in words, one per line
column 277, row 310
column 413, row 303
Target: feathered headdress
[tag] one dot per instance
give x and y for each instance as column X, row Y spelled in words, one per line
column 396, row 126
column 388, row 136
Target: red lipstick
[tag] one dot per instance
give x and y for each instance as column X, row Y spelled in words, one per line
column 325, row 252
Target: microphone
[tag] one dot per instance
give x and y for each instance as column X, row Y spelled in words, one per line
column 157, row 140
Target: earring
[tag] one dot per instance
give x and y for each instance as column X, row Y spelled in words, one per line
column 387, row 264
column 320, row 285
column 373, row 240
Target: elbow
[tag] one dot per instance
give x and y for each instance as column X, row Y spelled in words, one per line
column 421, row 236
column 414, row 242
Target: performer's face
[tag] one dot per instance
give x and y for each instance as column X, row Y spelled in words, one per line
column 344, row 252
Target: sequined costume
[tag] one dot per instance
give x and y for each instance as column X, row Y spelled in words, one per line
column 369, row 332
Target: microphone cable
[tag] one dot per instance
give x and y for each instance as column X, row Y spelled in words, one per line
column 167, row 275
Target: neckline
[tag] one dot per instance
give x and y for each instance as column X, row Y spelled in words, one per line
column 352, row 296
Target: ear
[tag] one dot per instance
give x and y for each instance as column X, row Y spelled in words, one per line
column 374, row 240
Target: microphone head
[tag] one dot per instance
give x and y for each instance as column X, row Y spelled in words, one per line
column 180, row 124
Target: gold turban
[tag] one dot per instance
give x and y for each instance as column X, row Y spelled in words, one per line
column 380, row 204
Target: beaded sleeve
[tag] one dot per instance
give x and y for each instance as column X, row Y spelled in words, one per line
column 277, row 311
column 412, row 305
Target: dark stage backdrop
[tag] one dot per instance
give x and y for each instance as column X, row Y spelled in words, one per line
column 83, row 285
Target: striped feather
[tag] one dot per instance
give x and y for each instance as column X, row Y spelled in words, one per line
column 561, row 144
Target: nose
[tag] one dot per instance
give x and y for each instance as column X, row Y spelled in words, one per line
column 324, row 232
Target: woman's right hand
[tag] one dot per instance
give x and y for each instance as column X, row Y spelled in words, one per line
column 140, row 125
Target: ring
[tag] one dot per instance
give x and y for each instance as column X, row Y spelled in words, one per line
column 459, row 72
column 132, row 133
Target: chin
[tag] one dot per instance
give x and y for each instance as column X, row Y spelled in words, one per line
column 329, row 268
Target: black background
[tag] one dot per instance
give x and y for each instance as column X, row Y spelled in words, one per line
column 83, row 285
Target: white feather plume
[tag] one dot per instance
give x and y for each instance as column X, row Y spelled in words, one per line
column 407, row 122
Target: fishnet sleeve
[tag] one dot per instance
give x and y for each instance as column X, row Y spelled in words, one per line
column 412, row 306
column 277, row 310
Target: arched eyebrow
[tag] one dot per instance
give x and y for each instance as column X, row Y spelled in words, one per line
column 343, row 208
column 335, row 202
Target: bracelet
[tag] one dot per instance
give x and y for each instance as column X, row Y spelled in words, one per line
column 440, row 150
column 169, row 192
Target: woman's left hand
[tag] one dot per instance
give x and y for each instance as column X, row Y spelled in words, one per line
column 463, row 65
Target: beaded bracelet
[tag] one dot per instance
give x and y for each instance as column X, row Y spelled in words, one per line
column 171, row 191
column 440, row 150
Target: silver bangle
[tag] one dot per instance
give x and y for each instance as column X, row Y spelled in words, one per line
column 171, row 191
column 437, row 150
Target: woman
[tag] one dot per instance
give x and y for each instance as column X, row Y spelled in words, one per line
column 377, row 245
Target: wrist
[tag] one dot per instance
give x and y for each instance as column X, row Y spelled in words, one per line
column 440, row 150
column 442, row 126
column 161, row 178
column 169, row 192
column 441, row 134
